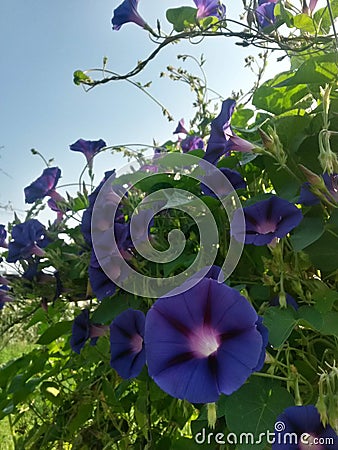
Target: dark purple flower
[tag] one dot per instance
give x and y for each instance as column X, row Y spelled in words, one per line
column 43, row 186
column 3, row 236
column 203, row 342
column 101, row 284
column 265, row 337
column 28, row 238
column 180, row 128
column 302, row 429
column 87, row 215
column 207, row 8
column 308, row 198
column 222, row 140
column 192, row 142
column 266, row 220
column 88, row 148
column 265, row 13
column 290, row 301
column 214, row 185
column 4, row 297
column 83, row 330
column 126, row 343
column 32, row 270
column 127, row 12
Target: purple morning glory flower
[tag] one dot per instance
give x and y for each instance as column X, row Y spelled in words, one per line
column 3, row 236
column 308, row 198
column 180, row 128
column 303, row 425
column 290, row 301
column 192, row 142
column 126, row 343
column 101, row 285
column 88, row 148
column 125, row 13
column 54, row 207
column 265, row 13
column 266, row 220
column 87, row 215
column 216, row 181
column 222, row 140
column 207, row 8
column 28, row 238
column 43, row 186
column 203, row 342
column 83, row 330
column 4, row 297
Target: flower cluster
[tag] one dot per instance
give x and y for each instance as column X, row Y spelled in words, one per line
column 197, row 345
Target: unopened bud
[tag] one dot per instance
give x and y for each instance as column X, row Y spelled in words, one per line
column 282, row 300
column 311, row 177
column 266, row 139
column 212, row 415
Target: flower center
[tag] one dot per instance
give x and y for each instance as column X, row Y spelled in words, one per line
column 310, row 441
column 204, row 342
column 266, row 227
column 136, row 343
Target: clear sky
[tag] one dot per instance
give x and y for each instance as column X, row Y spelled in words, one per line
column 42, row 42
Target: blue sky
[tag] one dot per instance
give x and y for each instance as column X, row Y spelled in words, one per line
column 43, row 42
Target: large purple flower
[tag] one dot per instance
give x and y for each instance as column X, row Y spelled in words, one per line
column 126, row 343
column 266, row 220
column 83, row 330
column 127, row 12
column 88, row 148
column 302, row 429
column 43, row 186
column 203, row 342
column 28, row 238
column 3, row 236
column 308, row 198
column 222, row 139
column 265, row 13
column 207, row 8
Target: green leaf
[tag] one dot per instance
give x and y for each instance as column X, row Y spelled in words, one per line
column 182, row 17
column 80, row 77
column 304, row 23
column 323, row 252
column 320, row 70
column 325, row 298
column 280, row 323
column 308, row 231
column 276, row 98
column 310, row 315
column 55, row 331
column 253, row 410
column 110, row 307
column 241, row 117
column 83, row 414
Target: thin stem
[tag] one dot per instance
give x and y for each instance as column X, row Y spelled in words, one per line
column 332, row 22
